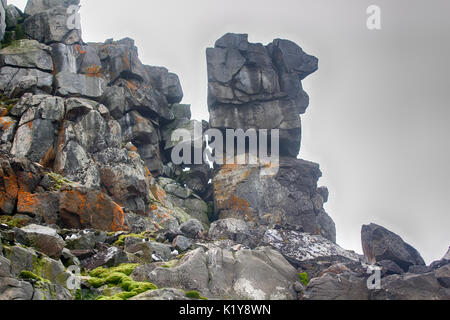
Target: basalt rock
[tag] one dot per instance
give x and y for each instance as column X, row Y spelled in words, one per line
column 288, row 198
column 48, row 24
column 381, row 244
column 3, row 8
column 252, row 86
column 261, row 274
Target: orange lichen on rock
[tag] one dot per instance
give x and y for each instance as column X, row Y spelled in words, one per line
column 131, row 86
column 5, row 124
column 91, row 209
column 4, row 112
column 27, row 202
column 118, row 223
column 126, row 59
column 239, row 205
column 79, row 50
column 94, row 71
column 48, row 158
column 158, row 193
column 8, row 188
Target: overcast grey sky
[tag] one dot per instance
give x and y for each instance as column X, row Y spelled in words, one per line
column 378, row 122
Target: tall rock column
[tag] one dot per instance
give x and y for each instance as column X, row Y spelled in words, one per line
column 252, row 86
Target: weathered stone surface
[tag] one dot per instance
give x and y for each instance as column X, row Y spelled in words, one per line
column 443, row 276
column 35, row 140
column 85, row 240
column 37, row 6
column 197, row 179
column 5, row 267
column 44, row 291
column 125, row 177
column 76, row 58
column 107, row 257
column 302, row 248
column 21, row 259
column 410, row 287
column 43, row 239
column 13, row 289
column 288, row 198
column 381, row 244
column 256, row 87
column 3, row 8
column 138, row 130
column 69, row 259
column 13, row 15
column 8, row 127
column 120, row 60
column 90, row 209
column 192, row 228
column 389, row 268
column 147, row 251
column 50, row 25
column 27, row 54
column 182, row 243
column 261, row 274
column 166, row 82
column 166, row 294
column 331, row 286
column 17, row 81
column 8, row 187
column 71, row 84
column 236, row 230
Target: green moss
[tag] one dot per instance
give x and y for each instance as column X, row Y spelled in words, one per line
column 11, row 222
column 59, row 181
column 170, row 264
column 119, row 277
column 28, row 275
column 126, row 268
column 11, row 36
column 211, row 215
column 115, row 278
column 109, row 298
column 7, row 103
column 195, row 295
column 96, row 282
column 121, row 240
column 304, row 278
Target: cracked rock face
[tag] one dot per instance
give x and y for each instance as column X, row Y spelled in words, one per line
column 259, row 87
column 289, row 198
column 381, row 244
column 221, row 273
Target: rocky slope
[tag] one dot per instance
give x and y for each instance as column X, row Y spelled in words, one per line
column 91, row 206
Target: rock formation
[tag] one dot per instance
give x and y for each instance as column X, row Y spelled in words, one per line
column 252, row 86
column 87, row 182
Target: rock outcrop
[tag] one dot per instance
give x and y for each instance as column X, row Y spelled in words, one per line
column 93, row 207
column 381, row 244
column 252, row 86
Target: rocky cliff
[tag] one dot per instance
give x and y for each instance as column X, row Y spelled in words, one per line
column 92, row 206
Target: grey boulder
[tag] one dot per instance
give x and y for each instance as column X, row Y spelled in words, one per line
column 381, row 244
column 79, row 85
column 27, row 54
column 43, row 239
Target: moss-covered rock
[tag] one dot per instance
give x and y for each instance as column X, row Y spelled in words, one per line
column 195, row 295
column 118, row 277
